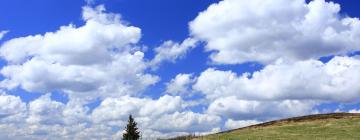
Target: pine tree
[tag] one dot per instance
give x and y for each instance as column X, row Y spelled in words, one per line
column 132, row 132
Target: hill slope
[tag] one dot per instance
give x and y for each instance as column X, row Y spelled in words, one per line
column 344, row 126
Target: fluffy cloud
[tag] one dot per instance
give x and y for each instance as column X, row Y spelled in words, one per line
column 171, row 51
column 233, row 124
column 239, row 109
column 180, row 84
column 98, row 59
column 11, row 108
column 140, row 107
column 288, row 40
column 45, row 118
column 70, row 45
column 238, row 31
column 310, row 79
column 153, row 114
column 45, row 111
column 186, row 122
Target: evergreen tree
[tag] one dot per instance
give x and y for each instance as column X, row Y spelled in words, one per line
column 132, row 132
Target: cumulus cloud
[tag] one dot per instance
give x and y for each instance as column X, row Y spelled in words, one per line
column 186, row 122
column 140, row 107
column 153, row 114
column 303, row 80
column 238, row 31
column 45, row 111
column 45, row 118
column 100, row 56
column 289, row 40
column 180, row 84
column 11, row 108
column 170, row 51
column 234, row 108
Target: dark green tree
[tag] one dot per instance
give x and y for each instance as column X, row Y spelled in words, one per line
column 131, row 130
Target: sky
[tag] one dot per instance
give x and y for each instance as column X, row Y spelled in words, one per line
column 75, row 69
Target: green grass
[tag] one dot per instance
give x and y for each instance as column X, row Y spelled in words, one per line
column 346, row 127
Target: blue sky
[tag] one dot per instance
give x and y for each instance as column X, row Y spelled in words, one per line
column 217, row 64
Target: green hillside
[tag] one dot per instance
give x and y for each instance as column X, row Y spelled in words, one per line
column 337, row 126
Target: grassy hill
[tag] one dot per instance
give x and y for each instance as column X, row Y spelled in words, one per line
column 336, row 126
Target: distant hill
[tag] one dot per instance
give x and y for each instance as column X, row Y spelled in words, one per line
column 335, row 126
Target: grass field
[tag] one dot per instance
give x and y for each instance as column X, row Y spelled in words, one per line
column 338, row 126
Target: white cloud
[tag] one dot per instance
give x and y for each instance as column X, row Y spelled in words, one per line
column 12, row 109
column 70, row 45
column 45, row 118
column 151, row 115
column 233, row 108
column 233, row 124
column 180, row 85
column 3, row 33
column 238, row 31
column 336, row 81
column 281, row 89
column 171, row 51
column 139, row 107
column 45, row 111
column 98, row 59
column 186, row 122
column 354, row 111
